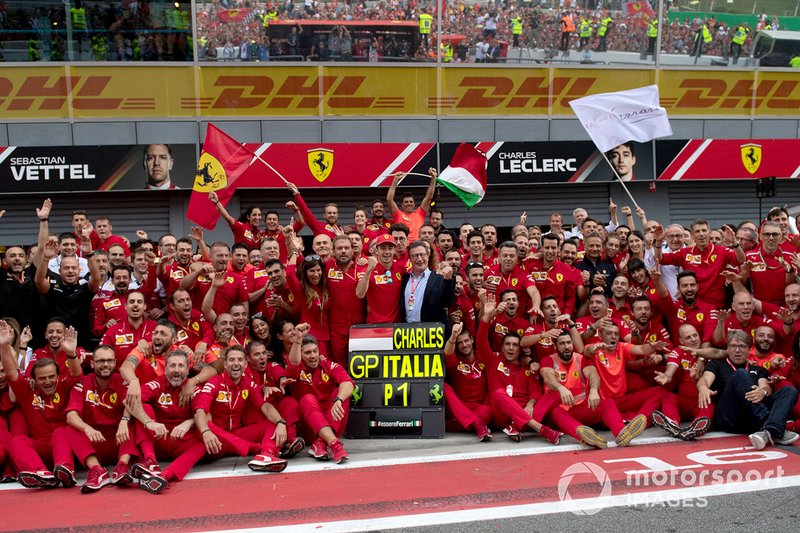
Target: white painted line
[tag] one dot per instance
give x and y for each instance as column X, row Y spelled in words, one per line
column 534, row 509
column 692, row 158
column 399, row 159
column 7, row 152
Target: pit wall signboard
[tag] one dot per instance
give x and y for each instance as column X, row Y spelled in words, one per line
column 107, row 168
column 399, row 373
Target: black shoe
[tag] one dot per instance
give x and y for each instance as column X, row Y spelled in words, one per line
column 65, row 476
column 290, row 449
column 154, row 484
column 667, row 424
column 697, row 428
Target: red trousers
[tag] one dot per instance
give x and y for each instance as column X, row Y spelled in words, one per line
column 339, row 347
column 184, row 453
column 255, row 438
column 316, row 414
column 30, row 455
column 286, row 406
column 505, row 409
column 107, row 452
column 463, row 415
column 642, row 402
column 568, row 420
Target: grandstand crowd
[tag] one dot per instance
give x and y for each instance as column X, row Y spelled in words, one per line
column 239, row 30
column 134, row 351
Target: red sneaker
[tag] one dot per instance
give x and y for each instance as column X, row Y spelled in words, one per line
column 41, row 479
column 267, row 463
column 65, row 476
column 513, row 433
column 319, row 450
column 483, row 432
column 97, row 478
column 155, row 483
column 290, row 449
column 550, row 435
column 339, row 453
column 121, row 474
column 147, row 467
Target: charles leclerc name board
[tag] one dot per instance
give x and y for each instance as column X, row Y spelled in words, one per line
column 399, row 374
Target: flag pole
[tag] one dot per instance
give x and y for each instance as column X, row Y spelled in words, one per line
column 625, row 187
column 285, row 181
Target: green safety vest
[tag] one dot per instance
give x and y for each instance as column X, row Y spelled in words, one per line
column 706, row 34
column 272, row 16
column 78, row 18
column 447, row 52
column 741, row 35
column 795, row 62
column 652, row 28
column 586, row 29
column 425, row 23
column 604, row 26
column 516, row 25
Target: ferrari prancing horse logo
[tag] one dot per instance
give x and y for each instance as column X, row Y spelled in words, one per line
column 320, row 163
column 751, row 156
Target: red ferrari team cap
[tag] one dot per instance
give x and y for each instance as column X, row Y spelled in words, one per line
column 385, row 239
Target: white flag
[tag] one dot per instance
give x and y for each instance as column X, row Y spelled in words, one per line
column 612, row 119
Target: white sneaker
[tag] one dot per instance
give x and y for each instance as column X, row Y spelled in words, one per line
column 760, row 439
column 788, row 438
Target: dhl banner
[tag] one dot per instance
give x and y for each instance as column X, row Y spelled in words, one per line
column 102, row 168
column 90, row 92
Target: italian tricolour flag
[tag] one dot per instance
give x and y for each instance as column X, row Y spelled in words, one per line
column 466, row 174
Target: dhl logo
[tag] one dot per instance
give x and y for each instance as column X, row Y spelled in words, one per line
column 53, row 92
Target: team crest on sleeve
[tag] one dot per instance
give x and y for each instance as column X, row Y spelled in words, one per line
column 165, row 399
column 223, row 396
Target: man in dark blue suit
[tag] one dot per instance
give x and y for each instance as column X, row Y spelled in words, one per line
column 425, row 295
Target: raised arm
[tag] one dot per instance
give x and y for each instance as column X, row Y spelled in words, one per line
column 398, row 177
column 42, row 280
column 363, row 283
column 44, row 230
column 426, row 202
column 295, row 353
column 214, row 199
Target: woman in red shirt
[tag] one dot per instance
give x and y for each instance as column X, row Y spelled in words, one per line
column 245, row 230
column 310, row 291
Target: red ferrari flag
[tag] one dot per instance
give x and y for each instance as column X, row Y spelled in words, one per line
column 222, row 161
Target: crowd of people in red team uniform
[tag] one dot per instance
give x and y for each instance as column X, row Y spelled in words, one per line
column 139, row 352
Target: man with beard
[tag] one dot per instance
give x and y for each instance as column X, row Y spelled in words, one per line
column 330, row 210
column 44, row 406
column 618, row 302
column 218, row 414
column 192, row 328
column 223, row 337
column 642, row 284
column 475, row 275
column 745, row 402
column 569, row 254
column 461, row 310
column 98, row 431
column 507, row 274
column 574, row 405
column 541, row 336
column 274, row 230
column 165, row 429
column 644, row 329
column 706, row 259
column 148, row 361
column 408, row 213
column 18, row 295
column 436, row 217
column 273, row 299
column 380, row 284
column 453, row 258
column 54, row 334
column 324, row 389
column 599, row 317
column 466, row 390
column 506, row 319
column 685, row 364
column 378, row 212
column 474, row 249
column 343, row 277
column 272, row 378
column 66, row 296
column 764, row 355
column 611, row 357
column 745, row 318
column 687, row 309
column 108, row 308
column 464, row 231
column 237, row 310
column 490, row 251
column 174, row 267
column 553, row 277
column 513, row 388
column 124, row 336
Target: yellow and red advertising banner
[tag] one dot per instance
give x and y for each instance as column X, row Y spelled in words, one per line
column 220, row 91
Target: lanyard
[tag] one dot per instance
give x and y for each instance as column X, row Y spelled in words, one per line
column 746, row 365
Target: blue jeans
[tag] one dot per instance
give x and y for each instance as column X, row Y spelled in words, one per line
column 735, row 414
